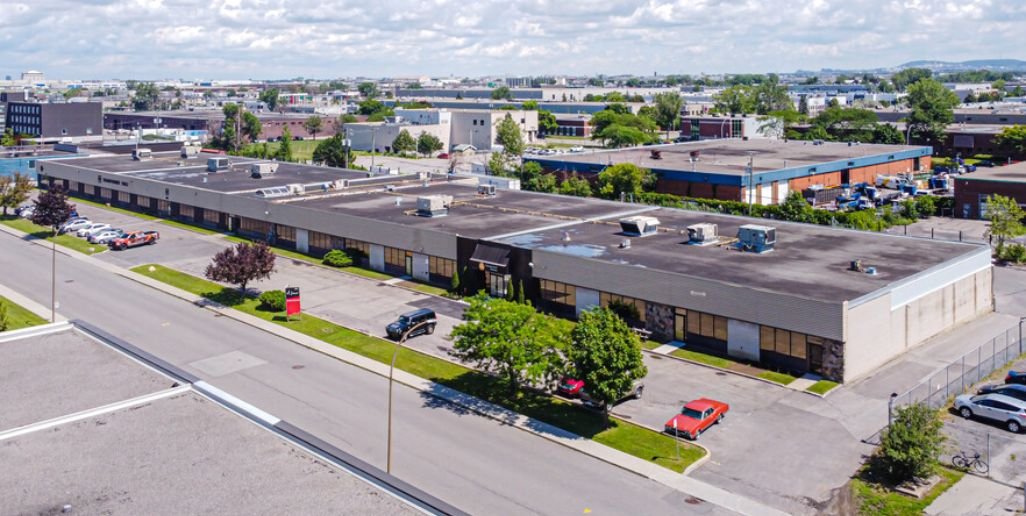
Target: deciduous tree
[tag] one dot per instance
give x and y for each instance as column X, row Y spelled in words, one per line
column 313, row 125
column 909, row 447
column 501, row 93
column 331, row 152
column 284, row 152
column 1005, row 217
column 932, row 110
column 241, row 264
column 507, row 134
column 1013, row 138
column 624, row 178
column 14, row 190
column 52, row 208
column 606, row 355
column 576, row 186
column 403, row 142
column 668, row 107
column 428, row 143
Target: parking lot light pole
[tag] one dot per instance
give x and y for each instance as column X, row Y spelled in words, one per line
column 53, row 278
column 391, row 371
column 890, row 409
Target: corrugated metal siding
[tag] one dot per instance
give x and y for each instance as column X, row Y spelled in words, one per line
column 745, row 304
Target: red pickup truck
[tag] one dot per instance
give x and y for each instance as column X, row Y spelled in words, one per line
column 134, row 239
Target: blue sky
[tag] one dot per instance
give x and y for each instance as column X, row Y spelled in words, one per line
column 239, row 39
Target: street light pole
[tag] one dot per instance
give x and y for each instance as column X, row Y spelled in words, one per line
column 53, row 278
column 391, row 372
column 890, row 409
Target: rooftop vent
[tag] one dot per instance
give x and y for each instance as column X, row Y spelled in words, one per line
column 271, row 193
column 258, row 170
column 189, row 151
column 433, row 205
column 702, row 234
column 625, row 243
column 486, row 189
column 142, row 154
column 756, row 239
column 639, row 226
column 219, row 164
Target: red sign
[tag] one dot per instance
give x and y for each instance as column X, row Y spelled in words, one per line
column 292, row 300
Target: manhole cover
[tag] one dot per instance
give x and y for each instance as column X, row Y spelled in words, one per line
column 298, row 366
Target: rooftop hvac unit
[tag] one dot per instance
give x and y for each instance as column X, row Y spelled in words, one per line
column 142, row 154
column 295, row 189
column 639, row 226
column 433, row 205
column 702, row 234
column 189, row 151
column 258, row 170
column 219, row 164
column 341, row 183
column 756, row 239
column 486, row 189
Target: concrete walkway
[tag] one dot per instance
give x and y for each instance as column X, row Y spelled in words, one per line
column 696, row 488
column 977, row 495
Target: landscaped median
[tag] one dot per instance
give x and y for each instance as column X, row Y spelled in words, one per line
column 629, row 438
column 69, row 241
column 18, row 317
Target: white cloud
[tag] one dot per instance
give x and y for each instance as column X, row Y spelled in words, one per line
column 331, row 38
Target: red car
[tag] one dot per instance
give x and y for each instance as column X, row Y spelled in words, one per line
column 570, row 387
column 134, row 239
column 696, row 417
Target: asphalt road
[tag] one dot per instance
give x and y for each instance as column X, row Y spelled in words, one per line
column 473, row 462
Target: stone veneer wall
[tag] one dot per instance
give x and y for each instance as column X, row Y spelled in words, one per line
column 659, row 321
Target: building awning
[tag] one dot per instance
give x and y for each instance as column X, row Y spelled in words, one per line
column 491, row 255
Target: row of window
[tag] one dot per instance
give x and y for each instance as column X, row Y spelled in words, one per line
column 784, row 342
column 357, row 245
column 706, row 325
column 187, row 212
column 254, row 226
column 605, row 299
column 324, row 241
column 443, row 267
column 24, row 119
column 396, row 256
column 559, row 293
column 24, row 109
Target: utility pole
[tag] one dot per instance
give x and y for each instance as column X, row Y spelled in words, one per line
column 751, row 193
column 374, row 134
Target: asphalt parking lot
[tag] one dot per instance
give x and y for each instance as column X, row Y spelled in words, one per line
column 787, row 448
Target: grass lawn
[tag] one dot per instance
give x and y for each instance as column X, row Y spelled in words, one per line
column 296, row 255
column 640, row 442
column 822, row 387
column 69, row 241
column 649, row 344
column 302, row 150
column 190, row 227
column 781, row 378
column 877, row 500
column 18, row 317
column 425, row 288
column 712, row 360
column 139, row 214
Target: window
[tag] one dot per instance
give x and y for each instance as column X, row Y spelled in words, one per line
column 211, row 217
column 286, row 233
column 124, row 197
column 559, row 293
column 397, row 257
column 789, row 343
column 254, row 226
column 186, row 212
column 441, row 266
column 357, row 245
column 707, row 325
column 606, row 298
column 105, row 193
column 323, row 241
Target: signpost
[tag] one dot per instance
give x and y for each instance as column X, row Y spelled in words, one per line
column 292, row 305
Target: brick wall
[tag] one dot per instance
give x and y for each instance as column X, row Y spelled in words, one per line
column 968, row 193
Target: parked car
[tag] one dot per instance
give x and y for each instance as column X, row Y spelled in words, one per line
column 105, row 236
column 637, row 389
column 696, row 417
column 95, row 227
column 74, row 225
column 995, row 407
column 985, row 163
column 23, row 207
column 1018, row 377
column 134, row 239
column 443, row 156
column 421, row 321
column 27, row 212
column 570, row 387
column 1011, row 390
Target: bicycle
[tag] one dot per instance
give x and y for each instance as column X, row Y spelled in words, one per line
column 965, row 461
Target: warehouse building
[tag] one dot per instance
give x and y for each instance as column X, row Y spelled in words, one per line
column 795, row 297
column 972, row 190
column 719, row 169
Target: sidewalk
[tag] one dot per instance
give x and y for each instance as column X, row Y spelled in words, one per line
column 707, row 492
column 976, row 495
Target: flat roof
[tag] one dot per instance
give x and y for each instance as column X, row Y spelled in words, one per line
column 177, row 452
column 730, row 156
column 1015, row 173
column 808, row 260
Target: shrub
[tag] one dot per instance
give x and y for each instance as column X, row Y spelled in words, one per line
column 1015, row 253
column 337, row 258
column 626, row 312
column 910, row 445
column 272, row 301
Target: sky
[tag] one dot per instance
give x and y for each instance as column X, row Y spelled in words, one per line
column 278, row 39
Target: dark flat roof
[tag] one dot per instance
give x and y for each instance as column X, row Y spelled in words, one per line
column 730, row 156
column 810, row 261
column 1015, row 173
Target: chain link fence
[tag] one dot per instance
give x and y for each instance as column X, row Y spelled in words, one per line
column 963, row 373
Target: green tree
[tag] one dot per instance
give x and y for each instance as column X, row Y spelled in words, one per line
column 403, row 142
column 270, row 97
column 501, row 93
column 606, row 355
column 331, row 152
column 544, row 183
column 529, row 105
column 576, row 186
column 735, row 100
column 888, row 134
column 454, row 284
column 5, row 321
column 796, row 209
column 910, row 76
column 284, row 152
column 771, row 96
column 508, row 135
column 251, row 126
column 428, row 144
column 8, row 139
column 617, row 135
column 909, row 447
column 1013, row 138
column 508, row 339
column 14, row 190
column 1005, row 217
column 778, row 124
column 547, row 122
column 313, row 125
column 932, row 110
column 847, row 124
column 368, row 90
column 667, row 110
column 624, row 178
column 145, row 96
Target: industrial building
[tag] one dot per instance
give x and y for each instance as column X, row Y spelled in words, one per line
column 799, row 298
column 972, row 190
column 761, row 171
column 49, row 122
column 209, row 123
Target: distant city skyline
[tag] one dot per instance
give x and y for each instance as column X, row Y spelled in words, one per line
column 278, row 39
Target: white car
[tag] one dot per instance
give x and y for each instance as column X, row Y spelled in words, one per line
column 26, row 213
column 996, row 407
column 105, row 236
column 95, row 227
column 74, row 225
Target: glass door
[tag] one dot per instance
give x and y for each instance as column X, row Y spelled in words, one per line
column 496, row 284
column 680, row 324
column 409, row 265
